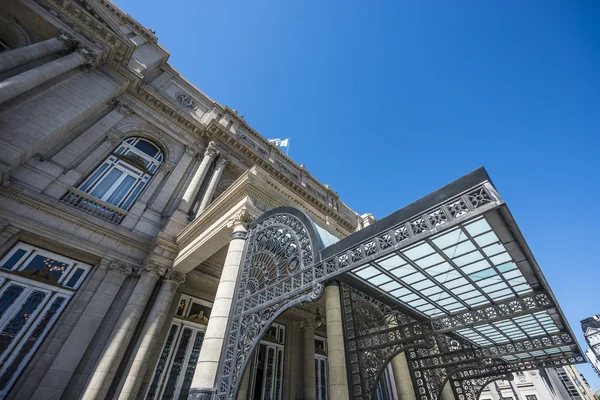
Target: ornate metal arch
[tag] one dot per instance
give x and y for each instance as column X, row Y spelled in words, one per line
column 280, row 244
column 370, row 353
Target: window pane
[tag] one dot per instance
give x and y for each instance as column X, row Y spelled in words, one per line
column 147, row 148
column 75, row 277
column 31, row 342
column 89, row 182
column 133, row 196
column 121, row 191
column 12, row 261
column 14, row 326
column 9, row 296
column 106, row 183
column 44, row 269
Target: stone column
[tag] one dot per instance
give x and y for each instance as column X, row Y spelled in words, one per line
column 112, row 354
column 212, row 186
column 17, row 57
column 402, row 378
column 149, row 335
column 60, row 372
column 208, row 361
column 244, row 385
column 192, row 190
column 447, row 393
column 310, row 384
column 21, row 83
column 338, row 380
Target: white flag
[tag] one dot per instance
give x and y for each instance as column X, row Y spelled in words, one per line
column 280, row 142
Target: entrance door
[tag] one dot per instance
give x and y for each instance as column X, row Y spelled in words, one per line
column 267, row 368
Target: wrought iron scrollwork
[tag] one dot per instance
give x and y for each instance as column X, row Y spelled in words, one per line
column 276, row 274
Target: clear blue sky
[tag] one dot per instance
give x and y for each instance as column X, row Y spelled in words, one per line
column 389, row 100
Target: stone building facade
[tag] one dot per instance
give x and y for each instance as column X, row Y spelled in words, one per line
column 591, row 332
column 122, row 185
column 564, row 383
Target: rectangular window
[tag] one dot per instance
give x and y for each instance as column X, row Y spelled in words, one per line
column 35, row 287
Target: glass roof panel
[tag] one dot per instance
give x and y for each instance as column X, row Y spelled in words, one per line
column 450, row 238
column 459, row 249
column 429, row 260
column 486, row 238
column 403, row 271
column 367, row 273
column 478, row 227
column 419, row 251
column 391, row 262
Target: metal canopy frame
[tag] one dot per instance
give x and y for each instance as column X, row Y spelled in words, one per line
column 469, row 328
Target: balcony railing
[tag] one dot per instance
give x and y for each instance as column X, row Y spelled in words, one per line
column 94, row 206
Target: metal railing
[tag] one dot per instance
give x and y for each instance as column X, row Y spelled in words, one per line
column 94, row 206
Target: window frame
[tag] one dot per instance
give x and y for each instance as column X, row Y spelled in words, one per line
column 115, row 161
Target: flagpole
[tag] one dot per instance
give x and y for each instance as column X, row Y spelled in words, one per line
column 287, row 150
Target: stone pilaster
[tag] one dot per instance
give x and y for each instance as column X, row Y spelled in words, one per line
column 208, row 361
column 60, row 372
column 338, row 380
column 156, row 318
column 116, row 346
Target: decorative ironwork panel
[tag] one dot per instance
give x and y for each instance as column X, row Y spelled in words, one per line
column 371, row 344
column 277, row 272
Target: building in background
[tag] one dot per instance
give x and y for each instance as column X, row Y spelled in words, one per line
column 591, row 332
column 563, row 383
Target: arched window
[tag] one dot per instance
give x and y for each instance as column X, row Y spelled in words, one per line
column 120, row 179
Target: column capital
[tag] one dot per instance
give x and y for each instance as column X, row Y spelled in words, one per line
column 191, row 151
column 121, row 107
column 241, row 217
column 91, row 56
column 211, row 150
column 67, row 39
column 175, row 276
column 306, row 324
column 154, row 269
column 114, row 137
column 120, row 268
column 222, row 161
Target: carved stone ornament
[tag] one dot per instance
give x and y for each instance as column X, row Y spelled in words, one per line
column 90, row 57
column 222, row 161
column 168, row 166
column 68, row 40
column 113, row 137
column 211, row 150
column 155, row 269
column 175, row 276
column 122, row 108
column 186, row 101
column 241, row 217
column 120, row 268
column 307, row 324
column 191, row 151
